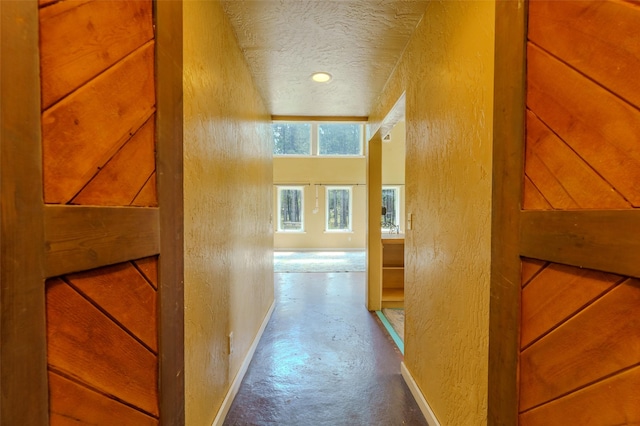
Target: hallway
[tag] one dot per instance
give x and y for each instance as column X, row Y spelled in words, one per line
column 324, row 360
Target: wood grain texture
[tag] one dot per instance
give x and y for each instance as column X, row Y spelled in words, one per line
column 23, row 376
column 125, row 295
column 125, row 174
column 86, row 345
column 604, row 240
column 508, row 152
column 613, row 401
column 84, row 130
column 563, row 178
column 557, row 293
column 72, row 404
column 602, row 128
column 599, row 341
column 149, row 268
column 80, row 238
column 531, row 267
column 592, row 37
column 169, row 133
column 533, row 198
column 148, row 195
column 81, row 39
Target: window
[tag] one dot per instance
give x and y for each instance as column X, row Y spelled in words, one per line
column 391, row 208
column 338, row 213
column 340, row 139
column 291, row 138
column 317, row 139
column 290, row 209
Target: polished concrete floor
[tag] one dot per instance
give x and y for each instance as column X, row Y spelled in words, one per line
column 324, row 360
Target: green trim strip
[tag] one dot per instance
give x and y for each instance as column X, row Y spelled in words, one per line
column 392, row 332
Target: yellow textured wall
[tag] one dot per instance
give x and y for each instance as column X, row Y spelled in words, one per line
column 322, row 170
column 393, row 162
column 227, row 207
column 447, row 72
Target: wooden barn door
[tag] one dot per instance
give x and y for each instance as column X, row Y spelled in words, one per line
column 565, row 313
column 91, row 213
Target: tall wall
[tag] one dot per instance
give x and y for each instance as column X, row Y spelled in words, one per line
column 227, row 207
column 317, row 172
column 447, row 72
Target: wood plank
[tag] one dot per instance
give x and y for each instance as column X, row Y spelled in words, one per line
column 602, row 128
column 79, row 40
column 149, row 268
column 582, row 34
column 613, row 401
column 123, row 293
column 121, row 179
column 79, row 238
column 604, row 240
column 558, row 293
column 86, row 345
column 23, row 376
column 532, row 198
column 73, row 404
column 508, row 145
column 601, row 340
column 531, row 267
column 562, row 166
column 544, row 180
column 84, row 130
column 168, row 15
column 393, row 295
column 148, row 195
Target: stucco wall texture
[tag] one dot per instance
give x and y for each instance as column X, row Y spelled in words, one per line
column 447, row 73
column 228, row 250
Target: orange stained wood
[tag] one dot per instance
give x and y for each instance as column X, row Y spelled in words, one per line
column 599, row 38
column 71, row 403
column 531, row 267
column 149, row 268
column 533, row 198
column 601, row 340
column 84, row 130
column 563, row 178
column 81, row 39
column 122, row 178
column 557, row 293
column 125, row 295
column 85, row 344
column 601, row 128
column 613, row 401
column 148, row 195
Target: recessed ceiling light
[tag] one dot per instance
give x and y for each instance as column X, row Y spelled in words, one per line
column 321, row 77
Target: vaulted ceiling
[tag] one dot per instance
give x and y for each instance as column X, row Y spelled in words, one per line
column 357, row 41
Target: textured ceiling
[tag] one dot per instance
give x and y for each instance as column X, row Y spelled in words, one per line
column 357, row 41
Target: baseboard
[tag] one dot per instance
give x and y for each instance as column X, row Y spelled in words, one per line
column 417, row 394
column 235, row 386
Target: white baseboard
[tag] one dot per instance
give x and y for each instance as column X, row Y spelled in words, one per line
column 417, row 394
column 235, row 386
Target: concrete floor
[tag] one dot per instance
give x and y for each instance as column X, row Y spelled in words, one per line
column 324, row 360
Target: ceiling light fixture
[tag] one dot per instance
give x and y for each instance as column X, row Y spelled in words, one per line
column 321, row 77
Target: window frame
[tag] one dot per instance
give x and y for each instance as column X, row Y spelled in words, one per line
column 318, row 144
column 314, row 129
column 349, row 189
column 279, row 189
column 311, row 141
column 396, row 206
